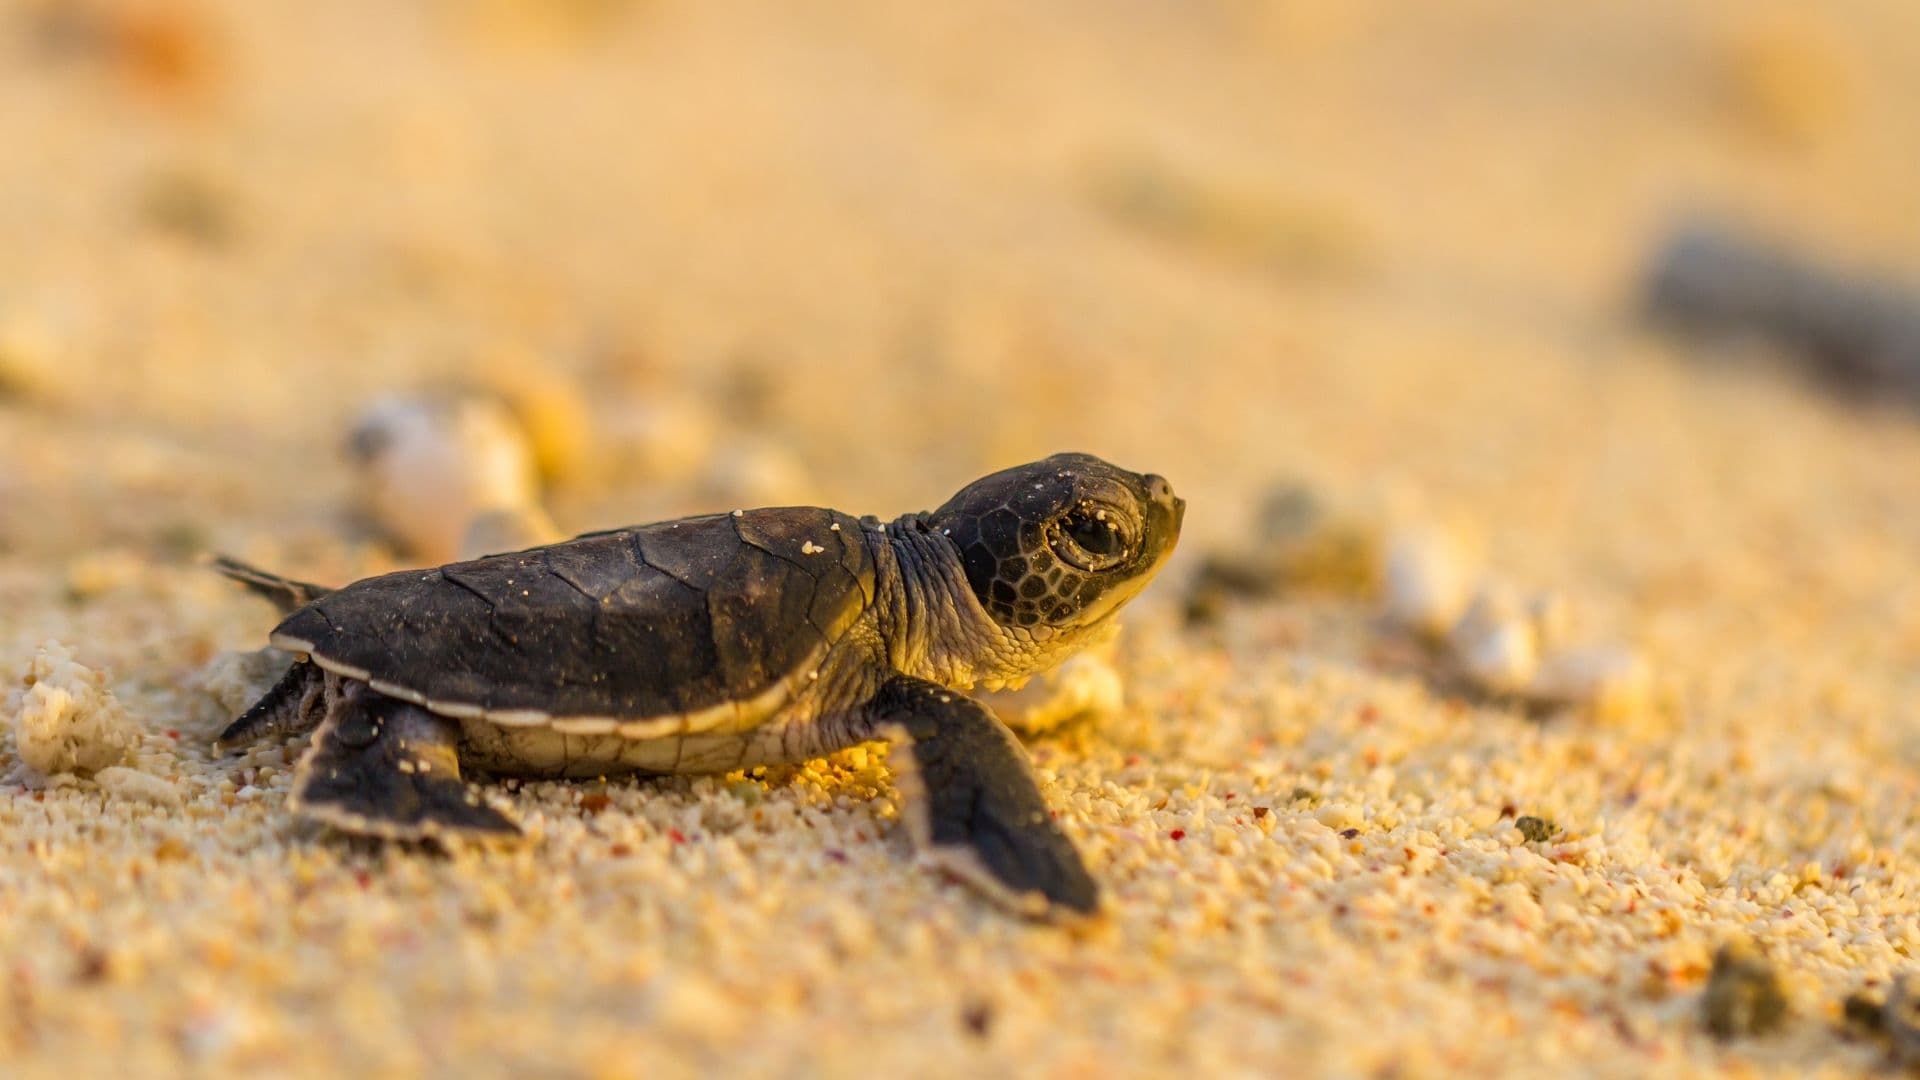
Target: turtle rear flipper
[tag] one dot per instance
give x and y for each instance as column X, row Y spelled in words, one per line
column 383, row 767
column 294, row 705
column 973, row 804
column 286, row 594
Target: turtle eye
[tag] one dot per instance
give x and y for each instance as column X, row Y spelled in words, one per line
column 1091, row 538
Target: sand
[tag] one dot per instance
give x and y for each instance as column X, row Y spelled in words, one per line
column 860, row 255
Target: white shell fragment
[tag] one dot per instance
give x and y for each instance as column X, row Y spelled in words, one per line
column 1423, row 589
column 1610, row 679
column 1503, row 642
column 1495, row 642
column 1506, row 645
column 432, row 467
column 65, row 720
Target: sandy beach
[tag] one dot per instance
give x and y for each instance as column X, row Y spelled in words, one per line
column 733, row 254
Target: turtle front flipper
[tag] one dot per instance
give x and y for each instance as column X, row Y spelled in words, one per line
column 383, row 767
column 973, row 804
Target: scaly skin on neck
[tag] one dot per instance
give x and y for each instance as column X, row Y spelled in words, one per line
column 933, row 625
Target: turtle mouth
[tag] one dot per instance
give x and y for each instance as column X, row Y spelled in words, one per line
column 1117, row 597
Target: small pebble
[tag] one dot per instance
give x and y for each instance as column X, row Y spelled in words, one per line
column 1221, row 579
column 1537, row 830
column 1299, row 545
column 978, row 1019
column 1743, row 995
column 1865, row 1011
column 1901, row 1018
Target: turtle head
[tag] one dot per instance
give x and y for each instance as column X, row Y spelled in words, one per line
column 1053, row 548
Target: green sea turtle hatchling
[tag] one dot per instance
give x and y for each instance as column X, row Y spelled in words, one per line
column 723, row 642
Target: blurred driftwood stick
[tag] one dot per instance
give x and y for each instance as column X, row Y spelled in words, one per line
column 1857, row 331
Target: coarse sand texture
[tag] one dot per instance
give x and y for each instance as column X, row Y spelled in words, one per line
column 699, row 256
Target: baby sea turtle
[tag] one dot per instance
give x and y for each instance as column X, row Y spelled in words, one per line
column 724, row 642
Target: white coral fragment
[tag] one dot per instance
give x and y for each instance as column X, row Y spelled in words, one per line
column 64, row 718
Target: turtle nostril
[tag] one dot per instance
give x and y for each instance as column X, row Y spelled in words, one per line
column 1158, row 489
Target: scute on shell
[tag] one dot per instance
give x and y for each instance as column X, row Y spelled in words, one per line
column 711, row 623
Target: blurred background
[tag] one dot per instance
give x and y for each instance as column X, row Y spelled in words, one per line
column 859, row 253
column 1618, row 299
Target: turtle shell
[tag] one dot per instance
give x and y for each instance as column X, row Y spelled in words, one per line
column 706, row 623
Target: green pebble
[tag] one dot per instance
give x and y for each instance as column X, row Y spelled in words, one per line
column 1537, row 830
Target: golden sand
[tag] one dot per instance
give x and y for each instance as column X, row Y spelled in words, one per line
column 860, row 254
